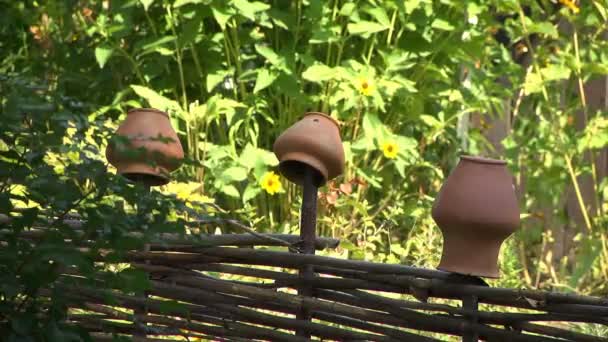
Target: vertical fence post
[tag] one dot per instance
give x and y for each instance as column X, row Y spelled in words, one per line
column 138, row 314
column 308, row 223
column 470, row 303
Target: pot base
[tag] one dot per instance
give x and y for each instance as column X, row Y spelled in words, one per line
column 292, row 168
column 472, row 274
column 144, row 173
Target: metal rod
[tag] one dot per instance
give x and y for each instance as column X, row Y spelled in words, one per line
column 308, row 223
column 471, row 303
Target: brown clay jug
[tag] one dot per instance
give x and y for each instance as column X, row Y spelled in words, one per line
column 149, row 150
column 476, row 210
column 314, row 141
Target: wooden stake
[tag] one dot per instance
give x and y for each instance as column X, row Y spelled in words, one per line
column 308, row 234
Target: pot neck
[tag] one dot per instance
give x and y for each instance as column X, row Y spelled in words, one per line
column 334, row 121
column 483, row 160
column 149, row 110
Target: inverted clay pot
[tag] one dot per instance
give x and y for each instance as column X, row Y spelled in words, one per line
column 476, row 210
column 313, row 141
column 149, row 149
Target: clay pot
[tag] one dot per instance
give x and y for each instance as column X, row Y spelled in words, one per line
column 476, row 210
column 313, row 141
column 149, row 148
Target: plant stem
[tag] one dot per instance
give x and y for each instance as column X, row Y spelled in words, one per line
column 237, row 60
column 391, row 29
column 199, row 69
column 577, row 190
column 371, row 50
column 527, row 39
column 128, row 56
column 583, row 97
column 180, row 67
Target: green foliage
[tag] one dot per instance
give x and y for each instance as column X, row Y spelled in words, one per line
column 424, row 76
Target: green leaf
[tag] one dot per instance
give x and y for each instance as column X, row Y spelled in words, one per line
column 348, row 9
column 213, row 79
column 249, row 9
column 282, row 19
column 190, row 31
column 271, row 56
column 5, row 203
column 441, row 24
column 257, row 159
column 597, row 68
column 264, row 79
column 400, row 166
column 23, row 324
column 319, row 73
column 157, row 43
column 230, row 190
column 235, row 173
column 535, row 81
column 544, row 27
column 179, row 3
column 172, row 306
column 411, row 5
column 555, row 72
column 251, row 192
column 221, row 15
column 372, row 126
column 155, row 99
column 102, row 54
column 595, row 135
column 146, row 3
column 134, row 280
column 365, row 27
column 588, row 253
column 323, row 34
column 380, row 15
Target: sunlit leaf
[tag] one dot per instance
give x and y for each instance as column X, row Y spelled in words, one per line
column 251, row 192
column 102, row 54
column 441, row 24
column 264, row 79
column 179, row 3
column 155, row 99
column 146, row 3
column 319, row 73
column 365, row 27
column 249, row 8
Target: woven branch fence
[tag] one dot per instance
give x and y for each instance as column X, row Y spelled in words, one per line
column 233, row 288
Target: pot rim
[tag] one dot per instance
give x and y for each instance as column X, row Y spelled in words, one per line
column 483, row 160
column 153, row 110
column 335, row 122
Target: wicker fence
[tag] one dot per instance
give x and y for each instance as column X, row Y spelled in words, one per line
column 346, row 300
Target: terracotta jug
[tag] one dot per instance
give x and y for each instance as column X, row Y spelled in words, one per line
column 314, row 141
column 476, row 210
column 150, row 149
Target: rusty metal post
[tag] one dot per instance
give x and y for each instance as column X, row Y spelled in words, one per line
column 308, row 234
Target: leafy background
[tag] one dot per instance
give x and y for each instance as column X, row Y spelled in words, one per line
column 520, row 80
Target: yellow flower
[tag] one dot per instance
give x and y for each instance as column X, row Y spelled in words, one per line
column 365, row 86
column 271, row 183
column 390, row 149
column 189, row 192
column 571, row 5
